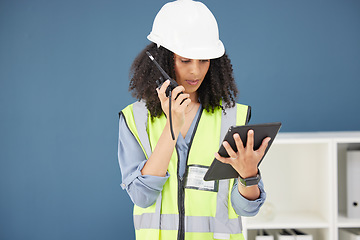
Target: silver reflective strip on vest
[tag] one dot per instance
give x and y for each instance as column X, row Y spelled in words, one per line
column 149, row 220
column 140, row 116
column 227, row 120
column 192, row 223
column 210, row 224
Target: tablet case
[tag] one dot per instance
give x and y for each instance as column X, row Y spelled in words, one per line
column 219, row 170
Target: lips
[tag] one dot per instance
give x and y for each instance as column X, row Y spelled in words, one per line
column 192, row 82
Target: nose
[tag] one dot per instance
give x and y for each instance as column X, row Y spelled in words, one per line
column 195, row 67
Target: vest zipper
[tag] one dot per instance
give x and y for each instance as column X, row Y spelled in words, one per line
column 181, row 186
column 181, row 207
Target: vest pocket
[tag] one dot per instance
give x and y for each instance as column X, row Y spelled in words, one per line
column 195, row 179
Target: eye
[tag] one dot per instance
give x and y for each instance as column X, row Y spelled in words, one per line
column 205, row 60
column 184, row 60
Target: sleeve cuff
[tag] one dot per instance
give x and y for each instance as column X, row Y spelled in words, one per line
column 152, row 182
column 245, row 206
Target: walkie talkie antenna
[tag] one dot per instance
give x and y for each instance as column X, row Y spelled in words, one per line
column 166, row 76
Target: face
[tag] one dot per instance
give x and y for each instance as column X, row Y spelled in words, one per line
column 190, row 72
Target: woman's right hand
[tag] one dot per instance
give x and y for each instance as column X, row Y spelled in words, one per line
column 158, row 162
column 178, row 106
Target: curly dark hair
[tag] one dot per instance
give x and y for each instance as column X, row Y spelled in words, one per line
column 218, row 83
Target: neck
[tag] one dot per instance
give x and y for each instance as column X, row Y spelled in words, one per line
column 194, row 102
column 194, row 97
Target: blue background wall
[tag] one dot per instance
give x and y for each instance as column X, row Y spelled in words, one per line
column 64, row 76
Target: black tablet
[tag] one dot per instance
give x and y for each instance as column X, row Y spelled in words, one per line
column 219, row 170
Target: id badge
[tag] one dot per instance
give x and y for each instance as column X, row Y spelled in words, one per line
column 195, row 179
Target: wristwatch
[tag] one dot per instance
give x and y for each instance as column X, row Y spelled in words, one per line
column 251, row 181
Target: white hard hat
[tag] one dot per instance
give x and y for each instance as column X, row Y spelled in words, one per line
column 187, row 28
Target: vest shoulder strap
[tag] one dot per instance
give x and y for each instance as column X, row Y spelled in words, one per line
column 136, row 116
column 238, row 115
column 141, row 117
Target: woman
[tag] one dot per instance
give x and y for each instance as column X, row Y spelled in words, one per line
column 162, row 176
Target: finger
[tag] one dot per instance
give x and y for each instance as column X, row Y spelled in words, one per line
column 162, row 90
column 181, row 98
column 239, row 143
column 222, row 159
column 264, row 145
column 161, row 96
column 250, row 140
column 176, row 91
column 229, row 150
column 183, row 105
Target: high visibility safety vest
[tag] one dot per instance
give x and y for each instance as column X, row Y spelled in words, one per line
column 182, row 210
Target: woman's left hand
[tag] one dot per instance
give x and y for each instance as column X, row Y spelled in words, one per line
column 245, row 161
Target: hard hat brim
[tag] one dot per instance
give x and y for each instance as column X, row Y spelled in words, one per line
column 205, row 52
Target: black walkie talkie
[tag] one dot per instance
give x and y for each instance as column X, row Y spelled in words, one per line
column 159, row 82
